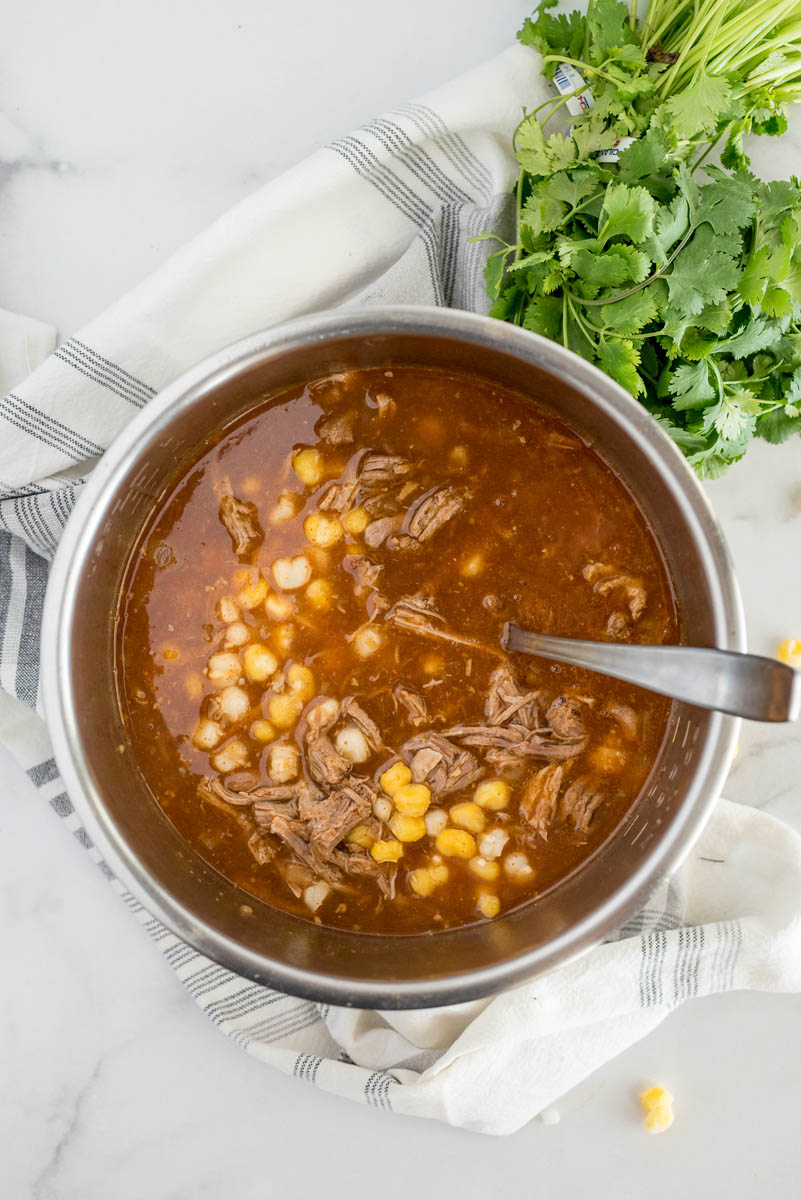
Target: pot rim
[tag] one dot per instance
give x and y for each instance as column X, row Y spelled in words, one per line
column 82, row 527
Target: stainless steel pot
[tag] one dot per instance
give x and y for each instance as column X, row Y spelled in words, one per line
column 130, row 829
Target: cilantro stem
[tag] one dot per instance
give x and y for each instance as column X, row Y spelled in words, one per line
column 518, row 209
column 582, row 66
column 709, row 148
column 721, row 388
column 638, row 287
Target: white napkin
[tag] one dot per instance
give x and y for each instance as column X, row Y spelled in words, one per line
column 383, row 215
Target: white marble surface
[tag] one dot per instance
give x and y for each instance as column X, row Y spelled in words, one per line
column 125, row 130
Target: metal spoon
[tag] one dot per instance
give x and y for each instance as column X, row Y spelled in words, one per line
column 744, row 685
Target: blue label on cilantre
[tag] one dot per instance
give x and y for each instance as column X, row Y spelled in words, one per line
column 614, row 152
column 567, row 80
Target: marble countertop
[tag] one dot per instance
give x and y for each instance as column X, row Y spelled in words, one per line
column 123, row 131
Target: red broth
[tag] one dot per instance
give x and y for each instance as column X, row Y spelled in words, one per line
column 309, row 662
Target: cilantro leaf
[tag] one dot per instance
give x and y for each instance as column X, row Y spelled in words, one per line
column 682, row 282
column 627, row 210
column 589, row 137
column 792, row 393
column 618, row 265
column 544, row 315
column 702, row 274
column 777, row 426
column 620, row 358
column 493, row 272
column 631, row 314
column 559, row 34
column 542, row 212
column 571, row 187
column 768, row 264
column 726, row 204
column 734, row 416
column 672, row 222
column 645, row 156
column 690, row 386
column 608, row 25
column 541, row 156
column 758, row 334
column 776, row 198
column 700, row 105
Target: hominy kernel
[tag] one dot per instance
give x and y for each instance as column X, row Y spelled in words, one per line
column 488, row 904
column 259, row 662
column 473, row 565
column 253, row 592
column 278, row 608
column 492, row 842
column 468, row 816
column 456, row 843
column 356, row 521
column 237, row 634
column 316, row 893
column 284, row 710
column 287, row 505
column 283, row 762
column 395, row 777
column 517, row 866
column 322, row 529
column 308, row 466
column 484, row 868
column 790, row 652
column 227, row 609
column 382, row 807
column 232, row 757
column 439, row 872
column 407, row 829
column 291, row 573
column 352, row 744
column 413, row 799
column 300, row 681
column 320, row 593
column 421, row 882
column 367, row 640
column 361, row 835
column 232, row 703
column 321, row 715
column 658, row 1105
column 223, row 668
column 262, row 731
column 207, row 734
column 436, row 820
column 386, row 851
column 492, row 794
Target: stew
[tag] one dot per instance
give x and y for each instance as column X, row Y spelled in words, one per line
column 309, row 659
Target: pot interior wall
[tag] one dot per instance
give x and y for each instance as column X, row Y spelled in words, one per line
column 269, row 933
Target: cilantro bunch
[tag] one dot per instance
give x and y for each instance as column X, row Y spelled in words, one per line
column 680, row 280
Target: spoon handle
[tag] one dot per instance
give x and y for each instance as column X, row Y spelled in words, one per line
column 744, row 685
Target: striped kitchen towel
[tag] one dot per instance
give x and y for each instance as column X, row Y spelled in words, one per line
column 383, row 215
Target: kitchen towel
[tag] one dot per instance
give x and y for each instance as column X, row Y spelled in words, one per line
column 383, row 215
